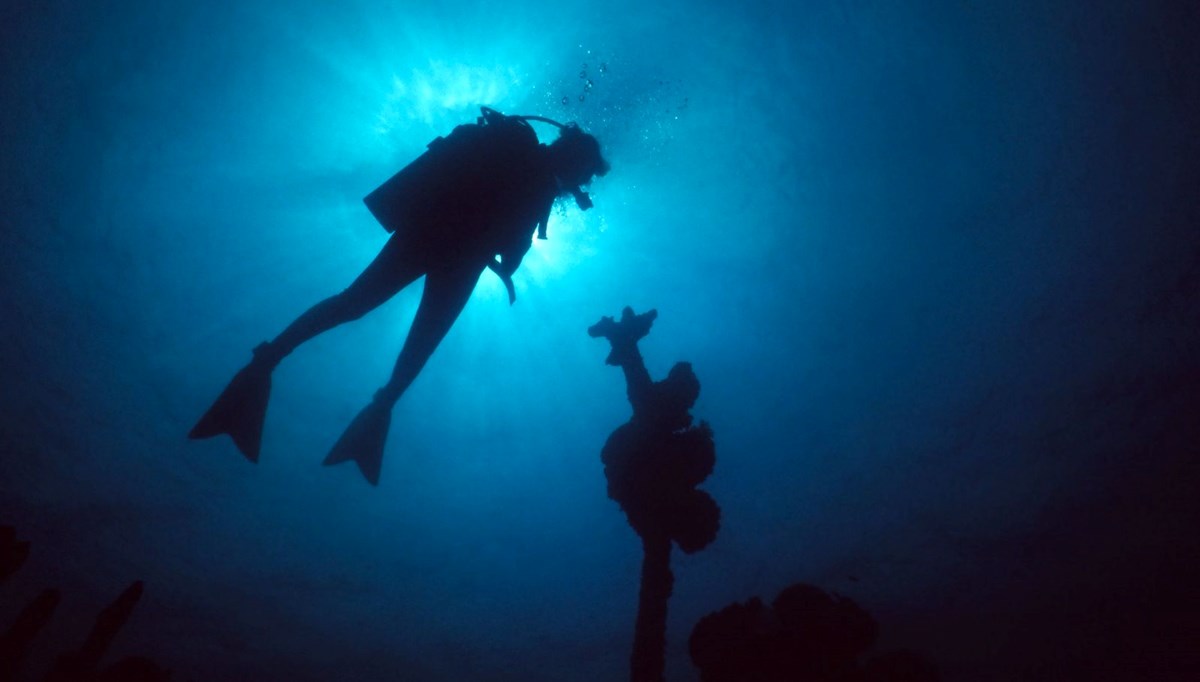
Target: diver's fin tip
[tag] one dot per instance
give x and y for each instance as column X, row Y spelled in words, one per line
column 363, row 441
column 337, row 455
column 239, row 411
column 248, row 450
column 371, row 476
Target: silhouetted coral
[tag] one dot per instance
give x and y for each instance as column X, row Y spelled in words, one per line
column 807, row 635
column 653, row 464
column 81, row 665
column 15, row 644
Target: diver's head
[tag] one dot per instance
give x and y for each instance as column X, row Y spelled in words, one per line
column 575, row 157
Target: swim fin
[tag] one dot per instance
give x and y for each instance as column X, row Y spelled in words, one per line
column 363, row 440
column 240, row 410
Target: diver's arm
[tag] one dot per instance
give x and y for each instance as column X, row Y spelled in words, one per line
column 510, row 259
column 543, row 221
column 512, row 255
column 497, row 267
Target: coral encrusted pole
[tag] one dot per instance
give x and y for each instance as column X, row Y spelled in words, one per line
column 653, row 464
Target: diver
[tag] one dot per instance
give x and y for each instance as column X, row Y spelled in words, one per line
column 469, row 203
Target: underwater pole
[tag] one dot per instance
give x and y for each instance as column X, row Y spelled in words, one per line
column 648, row 662
column 653, row 464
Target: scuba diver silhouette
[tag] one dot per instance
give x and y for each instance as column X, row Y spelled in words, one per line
column 469, row 203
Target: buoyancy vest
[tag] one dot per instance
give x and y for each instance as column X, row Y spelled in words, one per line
column 461, row 178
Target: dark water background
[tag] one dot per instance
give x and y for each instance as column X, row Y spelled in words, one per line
column 936, row 265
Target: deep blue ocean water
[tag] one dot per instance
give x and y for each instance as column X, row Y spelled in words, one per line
column 936, row 265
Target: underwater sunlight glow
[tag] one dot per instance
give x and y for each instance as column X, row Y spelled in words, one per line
column 933, row 266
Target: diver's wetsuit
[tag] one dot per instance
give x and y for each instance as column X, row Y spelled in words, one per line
column 504, row 201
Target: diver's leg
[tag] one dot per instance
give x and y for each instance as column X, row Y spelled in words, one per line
column 241, row 408
column 446, row 294
column 392, row 270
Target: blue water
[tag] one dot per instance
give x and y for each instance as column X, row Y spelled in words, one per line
column 935, row 265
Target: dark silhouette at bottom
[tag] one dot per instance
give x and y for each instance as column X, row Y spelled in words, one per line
column 653, row 464
column 806, row 635
column 81, row 665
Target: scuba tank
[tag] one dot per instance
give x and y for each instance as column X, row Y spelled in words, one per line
column 456, row 170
